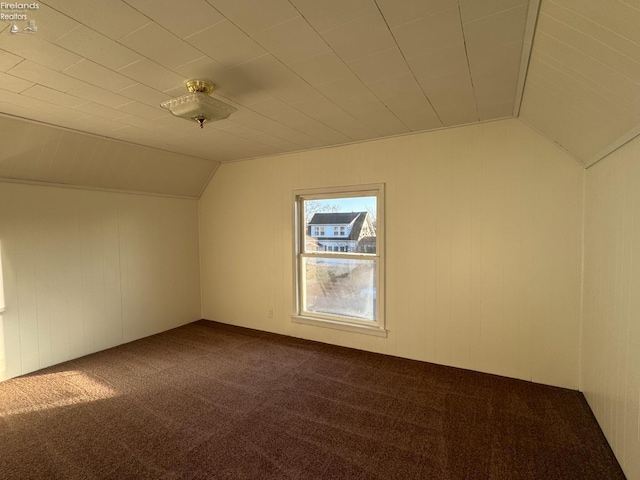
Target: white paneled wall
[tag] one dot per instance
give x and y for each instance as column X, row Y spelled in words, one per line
column 610, row 374
column 86, row 270
column 483, row 247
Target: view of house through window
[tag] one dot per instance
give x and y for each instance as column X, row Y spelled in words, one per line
column 339, row 255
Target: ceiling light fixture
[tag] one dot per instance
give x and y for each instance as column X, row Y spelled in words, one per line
column 198, row 105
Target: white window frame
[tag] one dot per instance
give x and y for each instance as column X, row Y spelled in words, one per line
column 376, row 327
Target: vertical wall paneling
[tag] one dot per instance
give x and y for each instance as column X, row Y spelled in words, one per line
column 483, row 247
column 3, row 357
column 610, row 373
column 86, row 270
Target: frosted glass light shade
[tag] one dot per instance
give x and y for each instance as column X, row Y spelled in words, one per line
column 198, row 107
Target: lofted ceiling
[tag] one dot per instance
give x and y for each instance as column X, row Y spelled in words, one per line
column 303, row 74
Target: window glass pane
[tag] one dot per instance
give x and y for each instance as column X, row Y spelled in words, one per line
column 340, row 225
column 340, row 286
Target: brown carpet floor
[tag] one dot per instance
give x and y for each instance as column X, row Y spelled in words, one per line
column 209, row 401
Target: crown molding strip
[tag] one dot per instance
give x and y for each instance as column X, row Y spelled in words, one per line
column 527, row 47
column 613, row 146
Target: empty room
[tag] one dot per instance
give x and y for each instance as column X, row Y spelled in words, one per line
column 301, row 239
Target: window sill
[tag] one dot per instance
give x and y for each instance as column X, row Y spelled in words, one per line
column 347, row 327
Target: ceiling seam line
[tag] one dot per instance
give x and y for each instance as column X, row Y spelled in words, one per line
column 466, row 56
column 347, row 65
column 408, row 66
column 524, row 69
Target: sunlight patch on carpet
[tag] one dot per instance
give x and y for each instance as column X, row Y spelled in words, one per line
column 53, row 390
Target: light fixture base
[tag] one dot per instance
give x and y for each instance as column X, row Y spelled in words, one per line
column 200, row 86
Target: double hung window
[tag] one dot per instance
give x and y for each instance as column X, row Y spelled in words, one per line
column 340, row 278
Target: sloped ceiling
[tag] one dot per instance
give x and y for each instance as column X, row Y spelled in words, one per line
column 40, row 153
column 303, row 74
column 583, row 85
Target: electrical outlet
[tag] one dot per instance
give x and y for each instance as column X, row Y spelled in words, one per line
column 270, row 314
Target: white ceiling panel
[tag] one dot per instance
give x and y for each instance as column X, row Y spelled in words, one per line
column 8, row 60
column 226, row 44
column 502, row 57
column 473, row 10
column 494, row 39
column 200, row 15
column 114, row 18
column 380, row 120
column 321, row 69
column 434, row 32
column 39, row 51
column 101, row 111
column 315, row 106
column 98, row 95
column 94, row 74
column 14, row 84
column 277, row 41
column 138, row 122
column 349, row 125
column 399, row 12
column 268, row 73
column 360, row 37
column 416, row 119
column 496, row 93
column 95, row 46
column 615, row 16
column 330, row 14
column 53, row 96
column 440, row 62
column 36, row 73
column 585, row 65
column 611, row 38
column 152, row 74
column 350, row 94
column 273, row 108
column 400, row 93
column 307, row 74
column 452, row 97
column 495, row 30
column 160, row 45
column 388, row 63
column 300, row 121
column 143, row 111
column 143, row 93
column 617, row 60
column 279, row 130
column 254, row 16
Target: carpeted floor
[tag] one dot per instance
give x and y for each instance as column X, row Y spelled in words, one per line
column 209, row 401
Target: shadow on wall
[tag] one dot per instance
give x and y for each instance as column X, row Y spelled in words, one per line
column 3, row 359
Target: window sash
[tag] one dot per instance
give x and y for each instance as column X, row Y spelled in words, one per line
column 302, row 289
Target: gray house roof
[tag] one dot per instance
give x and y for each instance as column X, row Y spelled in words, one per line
column 334, row 218
column 319, row 219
